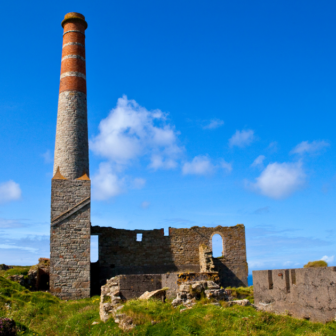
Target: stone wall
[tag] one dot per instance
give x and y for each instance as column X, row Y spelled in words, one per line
column 121, row 253
column 308, row 293
column 70, row 238
column 71, row 146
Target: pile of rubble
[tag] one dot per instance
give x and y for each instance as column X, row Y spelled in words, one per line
column 187, row 294
column 191, row 291
column 111, row 302
column 37, row 277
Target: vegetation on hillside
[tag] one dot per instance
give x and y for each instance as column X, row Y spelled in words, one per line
column 40, row 313
column 318, row 263
column 16, row 270
column 242, row 293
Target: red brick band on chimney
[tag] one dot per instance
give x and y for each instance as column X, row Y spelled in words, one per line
column 73, row 68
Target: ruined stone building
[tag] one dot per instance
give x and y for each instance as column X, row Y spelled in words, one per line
column 308, row 293
column 72, row 275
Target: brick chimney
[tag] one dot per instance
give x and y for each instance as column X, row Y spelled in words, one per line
column 70, row 227
column 71, row 148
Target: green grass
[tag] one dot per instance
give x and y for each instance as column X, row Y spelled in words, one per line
column 39, row 313
column 16, row 270
column 242, row 293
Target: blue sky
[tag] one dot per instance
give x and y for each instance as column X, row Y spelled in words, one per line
column 200, row 113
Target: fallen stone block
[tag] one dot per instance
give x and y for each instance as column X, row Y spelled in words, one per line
column 157, row 294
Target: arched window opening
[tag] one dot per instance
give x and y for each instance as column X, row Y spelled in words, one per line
column 217, row 246
column 94, row 249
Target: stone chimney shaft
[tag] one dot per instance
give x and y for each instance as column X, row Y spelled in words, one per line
column 71, row 148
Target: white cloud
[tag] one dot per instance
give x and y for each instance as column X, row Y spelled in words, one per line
column 258, row 161
column 105, row 183
column 241, row 138
column 145, row 205
column 200, row 165
column 279, row 180
column 214, row 123
column 226, row 166
column 158, row 161
column 328, row 259
column 306, row 147
column 131, row 131
column 138, row 183
column 9, row 191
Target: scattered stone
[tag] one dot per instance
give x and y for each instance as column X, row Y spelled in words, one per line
column 184, row 288
column 215, row 304
column 197, row 287
column 177, row 302
column 212, row 285
column 126, row 324
column 157, row 294
column 191, row 290
column 244, row 302
column 93, row 323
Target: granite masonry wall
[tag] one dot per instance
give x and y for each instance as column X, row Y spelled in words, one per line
column 121, row 253
column 308, row 293
column 70, row 238
column 71, row 152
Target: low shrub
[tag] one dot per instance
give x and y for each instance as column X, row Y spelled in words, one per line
column 7, row 327
column 318, row 263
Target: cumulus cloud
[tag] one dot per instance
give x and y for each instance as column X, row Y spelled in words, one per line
column 279, row 180
column 313, row 147
column 328, row 259
column 106, row 183
column 9, row 191
column 131, row 131
column 258, row 161
column 226, row 166
column 242, row 138
column 214, row 123
column 200, row 165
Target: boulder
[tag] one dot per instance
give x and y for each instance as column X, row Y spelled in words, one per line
column 157, row 294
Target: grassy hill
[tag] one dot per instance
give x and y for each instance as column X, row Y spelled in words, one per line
column 40, row 313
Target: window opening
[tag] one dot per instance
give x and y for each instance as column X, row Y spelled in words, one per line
column 139, row 237
column 217, row 246
column 94, row 250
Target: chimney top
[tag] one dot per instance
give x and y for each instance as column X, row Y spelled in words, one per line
column 73, row 16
